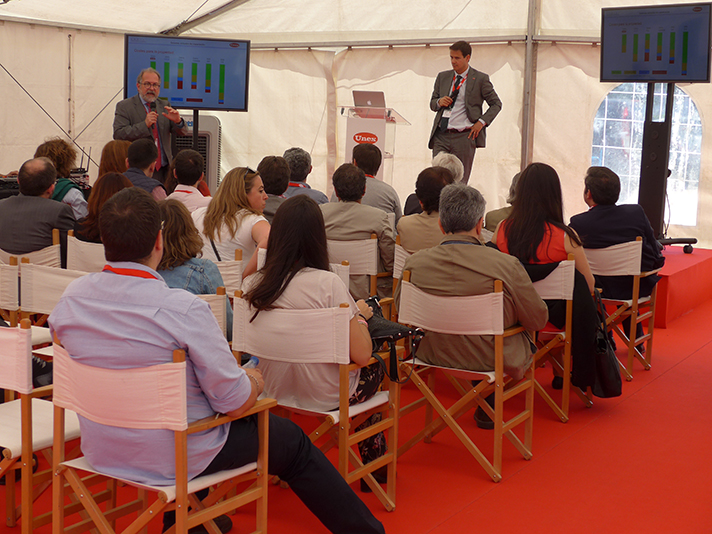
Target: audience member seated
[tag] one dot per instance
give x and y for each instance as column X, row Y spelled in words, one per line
column 234, row 219
column 141, row 161
column 606, row 224
column 460, row 266
column 422, row 230
column 149, row 323
column 535, row 234
column 300, row 166
column 188, row 168
column 114, row 157
column 296, row 275
column 87, row 229
column 180, row 266
column 441, row 159
column 494, row 217
column 379, row 194
column 275, row 175
column 350, row 220
column 64, row 157
column 27, row 220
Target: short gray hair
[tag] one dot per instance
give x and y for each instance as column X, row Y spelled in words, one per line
column 513, row 188
column 139, row 79
column 299, row 162
column 461, row 206
column 451, row 163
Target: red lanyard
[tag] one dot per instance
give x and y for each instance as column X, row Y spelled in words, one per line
column 297, row 184
column 129, row 272
column 184, row 190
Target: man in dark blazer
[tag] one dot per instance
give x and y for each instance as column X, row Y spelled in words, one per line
column 460, row 123
column 606, row 224
column 27, row 220
column 145, row 116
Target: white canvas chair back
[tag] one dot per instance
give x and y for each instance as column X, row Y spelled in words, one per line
column 143, row 398
column 476, row 315
column 84, row 256
column 343, row 270
column 399, row 258
column 617, row 260
column 4, row 257
column 9, row 297
column 273, row 330
column 261, row 257
column 41, row 287
column 559, row 285
column 231, row 272
column 16, row 359
column 48, row 256
column 218, row 305
column 362, row 255
column 486, row 235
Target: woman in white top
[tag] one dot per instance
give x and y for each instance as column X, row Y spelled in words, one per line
column 296, row 275
column 233, row 219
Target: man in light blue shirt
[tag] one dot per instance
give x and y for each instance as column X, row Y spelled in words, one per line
column 126, row 316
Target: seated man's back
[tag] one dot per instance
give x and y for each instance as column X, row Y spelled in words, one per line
column 606, row 224
column 27, row 220
column 460, row 266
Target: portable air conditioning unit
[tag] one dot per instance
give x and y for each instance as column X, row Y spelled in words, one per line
column 209, row 145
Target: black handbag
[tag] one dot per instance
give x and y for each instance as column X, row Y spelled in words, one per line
column 608, row 381
column 385, row 332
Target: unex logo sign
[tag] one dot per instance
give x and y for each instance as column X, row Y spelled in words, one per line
column 364, row 137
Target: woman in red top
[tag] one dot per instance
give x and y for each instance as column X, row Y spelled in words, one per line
column 535, row 231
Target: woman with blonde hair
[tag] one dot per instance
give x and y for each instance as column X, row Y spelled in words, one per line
column 180, row 265
column 233, row 219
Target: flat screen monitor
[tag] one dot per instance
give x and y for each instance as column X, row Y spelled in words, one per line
column 195, row 73
column 663, row 44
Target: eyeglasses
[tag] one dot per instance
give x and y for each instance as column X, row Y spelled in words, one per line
column 149, row 85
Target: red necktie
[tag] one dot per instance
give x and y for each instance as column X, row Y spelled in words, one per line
column 156, row 138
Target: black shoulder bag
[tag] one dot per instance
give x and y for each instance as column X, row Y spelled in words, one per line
column 608, row 381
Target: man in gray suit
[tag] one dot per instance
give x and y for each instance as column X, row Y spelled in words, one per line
column 460, row 124
column 145, row 116
column 27, row 220
column 350, row 220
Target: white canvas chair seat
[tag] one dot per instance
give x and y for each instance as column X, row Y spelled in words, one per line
column 25, row 427
column 40, row 335
column 321, row 336
column 231, row 272
column 156, row 399
column 624, row 259
column 84, row 256
column 218, row 305
column 558, row 285
column 168, row 494
column 467, row 315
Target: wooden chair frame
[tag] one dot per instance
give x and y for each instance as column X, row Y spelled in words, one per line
column 638, row 309
column 503, row 387
column 559, row 285
column 177, row 498
column 337, row 427
column 34, row 438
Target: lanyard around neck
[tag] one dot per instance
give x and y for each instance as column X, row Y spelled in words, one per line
column 129, row 272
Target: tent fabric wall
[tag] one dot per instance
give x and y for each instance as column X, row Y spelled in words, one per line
column 76, row 75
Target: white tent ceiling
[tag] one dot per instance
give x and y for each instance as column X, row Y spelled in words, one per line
column 62, row 73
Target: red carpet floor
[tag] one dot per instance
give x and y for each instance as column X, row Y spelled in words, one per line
column 637, row 463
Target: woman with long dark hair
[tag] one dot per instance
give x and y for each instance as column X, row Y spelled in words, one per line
column 535, row 233
column 87, row 229
column 296, row 275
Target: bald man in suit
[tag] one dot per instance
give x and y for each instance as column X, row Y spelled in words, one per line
column 27, row 220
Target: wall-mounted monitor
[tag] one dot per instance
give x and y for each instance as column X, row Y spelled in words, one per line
column 195, row 73
column 664, row 43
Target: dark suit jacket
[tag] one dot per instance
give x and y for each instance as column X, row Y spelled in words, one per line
column 604, row 226
column 129, row 123
column 26, row 224
column 479, row 89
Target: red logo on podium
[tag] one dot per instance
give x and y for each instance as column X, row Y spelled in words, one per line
column 365, row 137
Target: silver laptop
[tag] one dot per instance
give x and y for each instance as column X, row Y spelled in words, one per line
column 369, row 99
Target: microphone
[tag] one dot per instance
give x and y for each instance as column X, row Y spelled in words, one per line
column 152, row 106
